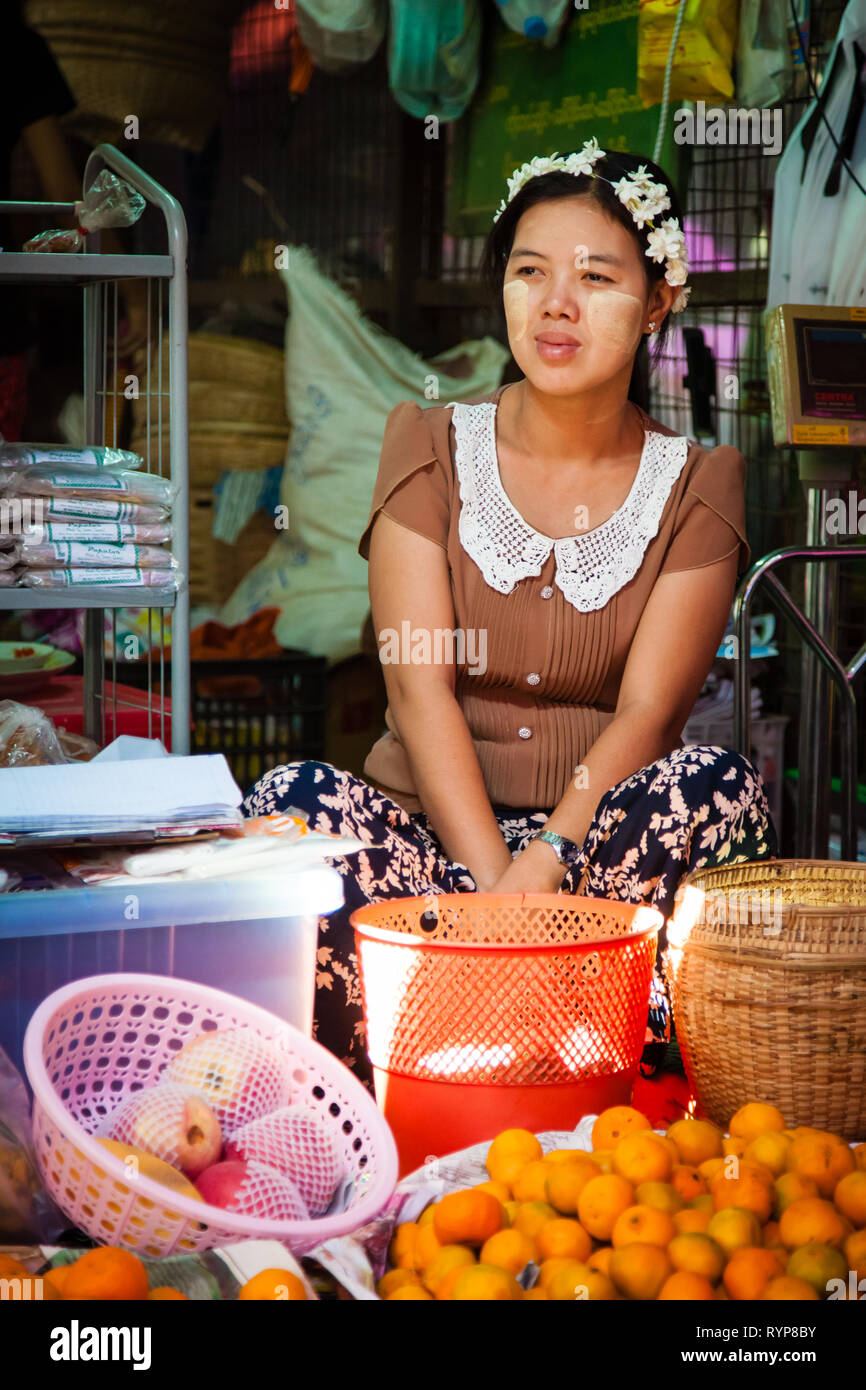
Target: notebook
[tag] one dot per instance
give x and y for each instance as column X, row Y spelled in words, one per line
column 138, row 795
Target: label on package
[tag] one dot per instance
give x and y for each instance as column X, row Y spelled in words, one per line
column 820, row 434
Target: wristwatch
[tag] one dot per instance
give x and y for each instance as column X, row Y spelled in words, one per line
column 566, row 851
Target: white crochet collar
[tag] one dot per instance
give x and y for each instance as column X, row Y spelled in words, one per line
column 591, row 566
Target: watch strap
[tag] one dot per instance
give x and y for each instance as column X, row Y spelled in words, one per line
column 566, row 851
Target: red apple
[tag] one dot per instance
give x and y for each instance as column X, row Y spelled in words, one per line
column 252, row 1189
column 240, row 1075
column 298, row 1144
column 172, row 1123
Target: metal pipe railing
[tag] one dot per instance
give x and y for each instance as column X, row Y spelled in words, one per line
column 841, row 675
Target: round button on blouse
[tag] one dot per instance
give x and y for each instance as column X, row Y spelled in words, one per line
column 547, row 591
column 533, row 678
column 524, row 732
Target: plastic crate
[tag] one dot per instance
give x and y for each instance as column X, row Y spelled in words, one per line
column 255, row 938
column 767, row 751
column 258, row 713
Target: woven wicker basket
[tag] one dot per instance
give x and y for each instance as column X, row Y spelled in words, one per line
column 213, row 402
column 241, row 361
column 163, row 62
column 237, row 405
column 229, row 361
column 767, row 967
column 216, row 568
column 214, row 451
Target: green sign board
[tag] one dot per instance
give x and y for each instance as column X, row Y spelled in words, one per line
column 535, row 100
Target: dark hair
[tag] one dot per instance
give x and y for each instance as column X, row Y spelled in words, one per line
column 547, row 188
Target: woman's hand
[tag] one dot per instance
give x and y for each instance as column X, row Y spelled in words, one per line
column 535, row 870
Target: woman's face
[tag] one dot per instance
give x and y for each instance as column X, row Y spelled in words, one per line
column 576, row 297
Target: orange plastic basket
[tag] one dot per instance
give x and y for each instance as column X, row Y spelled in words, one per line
column 488, row 1010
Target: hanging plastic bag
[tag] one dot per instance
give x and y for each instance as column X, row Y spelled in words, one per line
column 433, row 56
column 108, row 202
column 765, row 68
column 341, row 34
column 702, row 65
column 535, row 19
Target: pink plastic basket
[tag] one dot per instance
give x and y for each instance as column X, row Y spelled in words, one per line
column 94, row 1042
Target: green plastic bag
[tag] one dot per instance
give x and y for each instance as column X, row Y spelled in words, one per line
column 341, row 34
column 433, row 56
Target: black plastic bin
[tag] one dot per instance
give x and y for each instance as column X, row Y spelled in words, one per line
column 258, row 713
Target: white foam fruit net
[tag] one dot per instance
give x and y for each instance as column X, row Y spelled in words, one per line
column 164, row 1121
column 240, row 1075
column 269, row 1195
column 296, row 1143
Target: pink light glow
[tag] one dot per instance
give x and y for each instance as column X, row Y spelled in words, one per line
column 702, row 248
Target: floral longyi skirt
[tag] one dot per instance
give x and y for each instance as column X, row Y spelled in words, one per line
column 694, row 808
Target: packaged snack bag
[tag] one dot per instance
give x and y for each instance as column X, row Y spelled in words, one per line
column 702, row 66
column 67, row 481
column 106, row 532
column 83, row 554
column 125, row 578
column 65, row 508
column 94, row 456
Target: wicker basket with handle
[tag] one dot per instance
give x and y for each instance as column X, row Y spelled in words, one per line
column 767, row 967
column 166, row 63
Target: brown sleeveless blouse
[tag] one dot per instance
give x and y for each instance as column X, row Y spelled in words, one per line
column 552, row 672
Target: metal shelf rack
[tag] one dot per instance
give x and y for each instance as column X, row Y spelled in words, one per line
column 164, row 393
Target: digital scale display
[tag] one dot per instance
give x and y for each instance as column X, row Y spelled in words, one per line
column 816, row 374
column 832, row 362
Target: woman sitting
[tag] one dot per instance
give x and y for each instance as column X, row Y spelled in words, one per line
column 551, row 573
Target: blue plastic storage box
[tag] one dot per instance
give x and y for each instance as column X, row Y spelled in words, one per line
column 255, row 938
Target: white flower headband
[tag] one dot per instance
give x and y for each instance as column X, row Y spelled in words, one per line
column 644, row 199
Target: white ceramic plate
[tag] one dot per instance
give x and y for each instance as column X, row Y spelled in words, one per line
column 35, row 665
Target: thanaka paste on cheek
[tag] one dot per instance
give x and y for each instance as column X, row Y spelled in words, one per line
column 614, row 318
column 515, row 297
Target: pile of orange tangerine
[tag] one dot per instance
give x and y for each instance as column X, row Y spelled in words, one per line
column 765, row 1212
column 116, row 1275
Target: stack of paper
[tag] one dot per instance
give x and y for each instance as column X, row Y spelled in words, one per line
column 237, row 858
column 128, row 796
column 259, row 847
